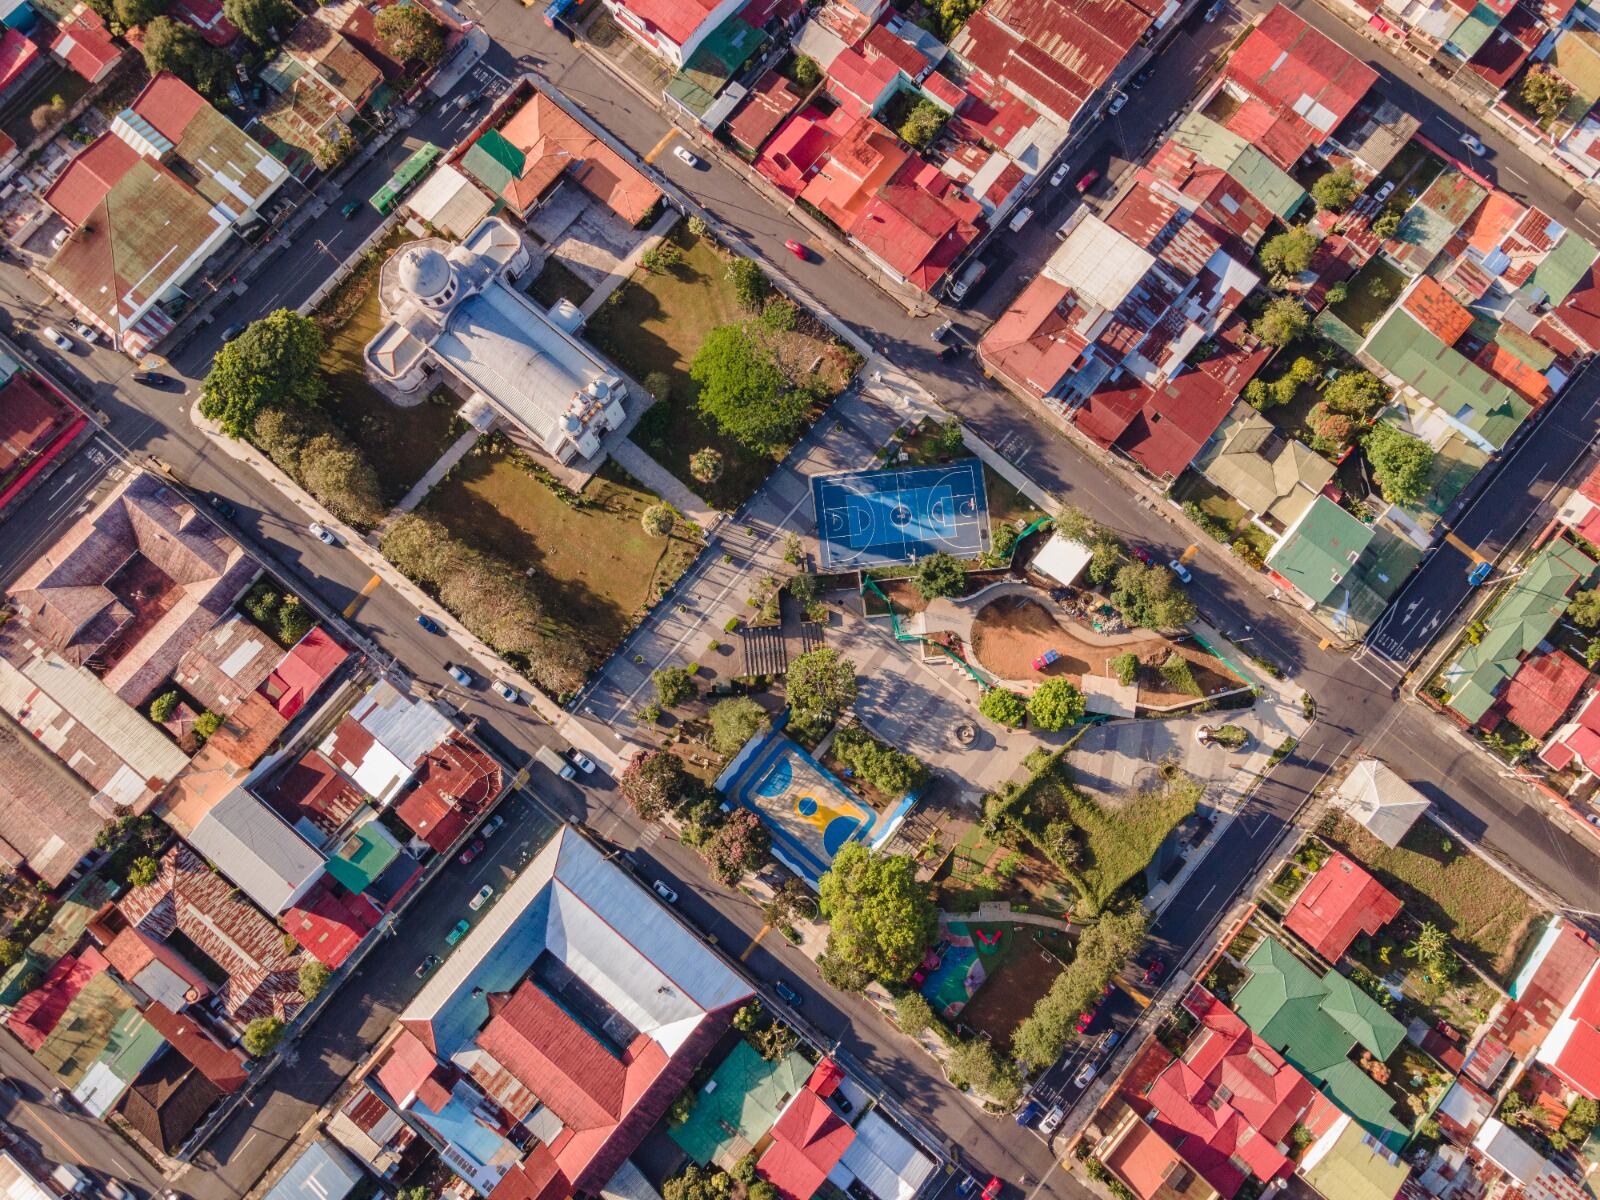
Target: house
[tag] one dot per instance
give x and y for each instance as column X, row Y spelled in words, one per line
column 331, row 922
column 1316, row 554
column 1576, row 743
column 672, row 29
column 322, row 1171
column 1148, row 1165
column 300, row 674
column 1557, row 968
column 1350, row 1164
column 572, row 1015
column 1580, row 511
column 37, row 424
column 1275, row 477
column 1218, row 146
column 207, row 19
column 19, row 58
column 1540, row 693
column 169, row 152
column 258, row 850
column 1515, row 628
column 336, row 62
column 371, row 1131
column 1314, row 1023
column 530, row 144
column 883, row 1161
column 1291, row 86
column 450, row 201
column 151, row 966
column 84, row 43
column 1571, row 1050
column 808, row 1139
column 224, row 1067
column 48, row 818
column 1385, row 805
column 454, row 308
column 167, row 1102
column 1340, row 903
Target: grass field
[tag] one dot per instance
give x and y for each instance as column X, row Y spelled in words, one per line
column 596, row 567
column 1490, row 918
column 657, row 323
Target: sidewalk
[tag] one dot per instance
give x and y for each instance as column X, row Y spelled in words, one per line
column 665, row 484
column 458, row 450
column 621, row 272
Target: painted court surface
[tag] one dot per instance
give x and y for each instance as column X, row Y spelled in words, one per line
column 877, row 518
column 809, row 813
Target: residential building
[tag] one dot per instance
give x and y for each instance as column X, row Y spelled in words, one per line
column 1571, row 1050
column 1385, row 805
column 48, row 817
column 37, row 424
column 1576, row 743
column 322, row 1171
column 453, row 308
column 570, row 1017
column 1515, row 628
column 1557, row 967
column 808, row 1139
column 1350, row 1164
column 84, row 43
column 1315, row 1023
column 172, row 153
column 672, row 29
column 1275, row 477
column 1580, row 511
column 258, row 851
column 336, row 62
column 1539, row 694
column 1341, row 902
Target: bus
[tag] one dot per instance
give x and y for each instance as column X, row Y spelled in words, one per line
column 403, row 180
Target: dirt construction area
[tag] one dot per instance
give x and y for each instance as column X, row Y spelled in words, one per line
column 1008, row 996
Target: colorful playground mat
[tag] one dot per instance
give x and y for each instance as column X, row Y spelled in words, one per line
column 954, row 969
column 878, row 518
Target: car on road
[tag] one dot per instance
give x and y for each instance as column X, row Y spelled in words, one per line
column 582, row 761
column 62, row 1099
column 471, row 852
column 1143, row 555
column 1052, row 1120
column 1112, row 1038
column 1059, row 174
column 1181, row 571
column 1142, row 78
column 1384, row 192
column 787, row 994
column 348, row 211
column 1473, row 145
column 429, row 624
column 1086, row 1076
column 56, row 338
column 87, row 332
column 1593, row 818
column 1216, row 10
column 506, row 692
column 492, row 826
column 459, row 931
column 798, row 249
column 1024, row 215
column 991, row 1190
column 115, row 1190
column 460, row 674
column 1118, row 103
column 1087, row 181
column 232, row 331
column 940, row 330
column 1029, row 1112
column 426, row 965
column 666, row 893
column 323, row 534
column 154, row 379
column 1086, row 1019
column 481, row 898
column 683, row 155
column 223, row 507
column 1154, row 971
column 1479, row 573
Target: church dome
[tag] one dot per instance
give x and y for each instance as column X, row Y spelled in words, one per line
column 425, row 273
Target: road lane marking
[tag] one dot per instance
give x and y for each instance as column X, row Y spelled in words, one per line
column 65, row 1145
column 666, row 140
column 372, row 585
column 754, row 942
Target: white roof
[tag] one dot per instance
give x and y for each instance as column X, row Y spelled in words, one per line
column 1098, row 263
column 449, row 201
column 255, row 848
column 1383, row 802
column 17, row 1184
column 884, row 1160
column 1466, row 1108
column 1508, row 1151
column 1062, row 560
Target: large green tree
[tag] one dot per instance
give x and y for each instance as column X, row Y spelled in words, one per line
column 1546, row 92
column 654, row 783
column 1289, row 252
column 881, row 919
column 1102, row 950
column 1355, row 393
column 258, row 19
column 409, row 33
column 1399, row 461
column 132, row 14
column 1336, row 189
column 1283, row 320
column 274, row 363
column 820, row 685
column 741, row 843
column 734, row 722
column 939, row 574
column 1149, row 595
column 743, row 392
column 1055, row 704
column 337, row 473
column 172, row 46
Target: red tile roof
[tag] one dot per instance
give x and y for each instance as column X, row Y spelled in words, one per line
column 1033, row 345
column 859, row 77
column 1573, row 1049
column 84, row 42
column 1303, row 84
column 1341, row 902
column 406, row 1068
column 1542, row 690
column 222, row 1066
column 206, row 17
column 556, row 1058
column 918, row 223
column 303, row 670
column 1540, row 996
column 330, row 923
column 678, row 20
column 771, row 100
column 16, row 56
column 1174, row 420
column 808, row 1140
column 536, row 1177
column 796, row 149
column 432, row 818
column 1437, row 311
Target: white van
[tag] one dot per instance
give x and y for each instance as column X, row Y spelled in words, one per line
column 968, row 280
column 1024, row 215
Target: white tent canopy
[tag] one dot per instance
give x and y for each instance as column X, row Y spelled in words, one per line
column 1062, row 560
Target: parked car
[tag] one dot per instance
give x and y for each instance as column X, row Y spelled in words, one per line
column 1385, row 191
column 1142, row 78
column 1181, row 571
column 1154, row 971
column 788, row 995
column 1086, row 1076
column 1085, row 1020
column 471, row 852
column 223, row 507
column 348, row 211
column 583, row 762
column 87, row 332
column 56, row 338
column 991, row 1190
column 460, row 674
column 952, row 351
column 1143, row 555
column 62, row 1099
column 1052, row 1120
column 1118, row 103
column 1087, row 181
column 940, row 330
column 798, row 249
column 1479, row 573
column 506, row 692
column 666, row 893
column 232, row 331
column 1473, row 145
column 1059, row 174
column 1216, row 10
column 323, row 534
column 481, row 897
column 1024, row 215
column 426, row 965
column 683, row 155
column 492, row 826
column 428, row 623
column 461, row 929
column 1029, row 1112
column 154, row 379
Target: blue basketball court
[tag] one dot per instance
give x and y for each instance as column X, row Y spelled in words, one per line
column 878, row 518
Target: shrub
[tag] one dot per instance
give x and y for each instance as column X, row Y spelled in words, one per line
column 1125, row 667
column 891, row 771
column 1003, row 707
column 661, row 258
column 1283, row 320
column 163, row 706
column 1400, row 462
column 674, row 686
column 1179, row 674
column 750, row 283
column 820, row 685
column 913, row 1014
column 734, row 722
column 975, row 1064
column 206, row 724
column 1288, row 253
column 1385, row 226
column 314, row 977
column 659, row 385
column 143, row 871
column 1245, row 551
column 780, row 315
column 1055, row 705
column 805, row 71
column 939, row 574
column 1335, row 190
column 261, row 1035
column 658, row 519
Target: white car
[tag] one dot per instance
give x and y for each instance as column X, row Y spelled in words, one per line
column 1473, row 145
column 1085, row 1076
column 1060, row 174
column 56, row 338
column 1052, row 1120
column 666, row 893
column 682, row 154
column 323, row 534
column 482, row 897
column 1181, row 571
column 492, row 826
column 583, row 762
column 506, row 692
column 1118, row 103
column 460, row 674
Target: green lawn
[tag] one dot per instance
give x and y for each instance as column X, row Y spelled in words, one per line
column 1371, row 293
column 597, row 569
column 1490, row 918
column 657, row 323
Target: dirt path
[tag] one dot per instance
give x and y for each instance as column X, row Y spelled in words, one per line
column 1009, row 632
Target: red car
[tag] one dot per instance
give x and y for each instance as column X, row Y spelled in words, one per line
column 471, row 852
column 1085, row 1019
column 1087, row 181
column 798, row 250
column 1153, row 971
column 1142, row 554
column 991, row 1190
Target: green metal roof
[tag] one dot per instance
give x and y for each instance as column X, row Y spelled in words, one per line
column 717, row 60
column 1320, row 549
column 1522, row 619
column 132, row 1044
column 1297, row 1014
column 1475, row 30
column 494, row 162
column 1564, row 267
column 363, row 856
column 1457, row 386
column 1528, row 349
column 1362, row 1017
column 1220, row 147
column 728, row 1119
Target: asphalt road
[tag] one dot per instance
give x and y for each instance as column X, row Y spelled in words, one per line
column 1358, row 711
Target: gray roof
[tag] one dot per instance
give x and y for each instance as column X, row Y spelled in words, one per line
column 322, row 1172
column 406, row 728
column 1383, row 802
column 257, row 849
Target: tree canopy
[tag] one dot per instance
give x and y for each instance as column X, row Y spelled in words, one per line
column 1102, row 950
column 409, row 33
column 1336, row 189
column 1149, row 595
column 734, row 722
column 820, row 684
column 1356, row 393
column 741, row 843
column 172, row 46
column 1399, row 461
column 881, row 919
column 922, row 124
column 939, row 574
column 1055, row 704
column 743, row 393
column 1283, row 320
column 1289, row 252
column 1546, row 92
column 261, row 1035
column 1003, row 707
column 257, row 19
column 654, row 783
column 276, row 362
column 1584, row 607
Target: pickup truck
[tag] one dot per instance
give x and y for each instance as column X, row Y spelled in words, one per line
column 549, row 758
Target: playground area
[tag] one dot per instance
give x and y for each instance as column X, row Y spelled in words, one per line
column 969, row 956
column 879, row 518
column 808, row 810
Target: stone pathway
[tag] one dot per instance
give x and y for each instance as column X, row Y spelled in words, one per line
column 665, row 484
column 620, row 273
column 458, row 450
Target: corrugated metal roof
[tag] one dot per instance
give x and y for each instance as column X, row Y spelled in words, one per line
column 407, row 728
column 883, row 1159
column 257, row 850
column 1098, row 263
column 322, row 1172
column 1564, row 267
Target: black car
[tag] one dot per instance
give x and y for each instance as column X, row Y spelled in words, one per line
column 232, row 331
column 153, row 379
column 223, row 507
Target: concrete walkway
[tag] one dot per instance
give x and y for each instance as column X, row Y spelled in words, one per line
column 621, row 272
column 459, row 449
column 992, row 912
column 665, row 484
